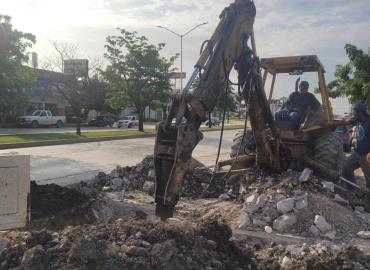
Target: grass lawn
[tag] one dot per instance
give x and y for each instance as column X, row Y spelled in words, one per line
column 27, row 138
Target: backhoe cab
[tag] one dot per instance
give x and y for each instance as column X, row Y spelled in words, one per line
column 313, row 144
column 297, row 65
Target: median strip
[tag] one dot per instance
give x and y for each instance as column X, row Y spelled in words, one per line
column 47, row 139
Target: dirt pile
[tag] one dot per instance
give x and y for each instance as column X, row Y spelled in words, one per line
column 312, row 208
column 53, row 206
column 127, row 245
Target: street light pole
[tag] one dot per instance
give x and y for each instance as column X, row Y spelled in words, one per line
column 181, row 39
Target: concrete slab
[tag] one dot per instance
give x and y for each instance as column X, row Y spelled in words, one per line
column 14, row 191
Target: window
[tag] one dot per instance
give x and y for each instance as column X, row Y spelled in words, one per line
column 36, row 113
column 43, row 114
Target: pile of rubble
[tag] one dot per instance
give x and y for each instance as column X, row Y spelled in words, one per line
column 319, row 256
column 126, row 245
column 305, row 206
column 140, row 245
column 197, row 181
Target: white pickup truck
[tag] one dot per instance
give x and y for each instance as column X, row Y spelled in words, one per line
column 41, row 118
column 128, row 122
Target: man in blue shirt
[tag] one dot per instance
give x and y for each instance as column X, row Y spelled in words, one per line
column 297, row 104
column 362, row 135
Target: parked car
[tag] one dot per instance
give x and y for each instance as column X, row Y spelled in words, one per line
column 344, row 135
column 128, row 122
column 102, row 121
column 214, row 121
column 41, row 118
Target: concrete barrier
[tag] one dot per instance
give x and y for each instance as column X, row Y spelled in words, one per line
column 14, row 191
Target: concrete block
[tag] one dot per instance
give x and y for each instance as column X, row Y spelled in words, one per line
column 14, row 191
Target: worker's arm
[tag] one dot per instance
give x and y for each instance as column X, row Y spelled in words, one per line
column 315, row 104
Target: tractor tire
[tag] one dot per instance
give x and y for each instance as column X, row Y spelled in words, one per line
column 328, row 150
column 246, row 146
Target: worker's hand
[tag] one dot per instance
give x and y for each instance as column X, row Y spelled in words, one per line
column 296, row 110
column 368, row 157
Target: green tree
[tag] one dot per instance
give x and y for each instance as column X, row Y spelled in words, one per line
column 14, row 77
column 230, row 103
column 137, row 75
column 352, row 80
column 231, row 99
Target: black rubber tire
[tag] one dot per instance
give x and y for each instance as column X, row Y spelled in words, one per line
column 328, row 150
column 248, row 145
column 35, row 124
column 59, row 124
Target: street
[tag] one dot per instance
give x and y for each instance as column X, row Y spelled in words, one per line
column 52, row 129
column 66, row 164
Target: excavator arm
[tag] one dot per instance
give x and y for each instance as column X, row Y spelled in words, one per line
column 175, row 142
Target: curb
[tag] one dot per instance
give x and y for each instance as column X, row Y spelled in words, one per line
column 70, row 141
column 82, row 140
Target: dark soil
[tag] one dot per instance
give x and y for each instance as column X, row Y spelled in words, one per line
column 55, row 207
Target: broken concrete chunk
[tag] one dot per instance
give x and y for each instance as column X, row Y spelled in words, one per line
column 285, row 205
column 328, row 186
column 322, row 224
column 252, row 198
column 148, row 187
column 268, row 229
column 261, row 201
column 151, row 175
column 286, row 262
column 284, row 222
column 330, row 235
column 35, row 258
column 305, row 175
column 364, row 234
column 245, row 221
column 314, row 231
column 224, row 197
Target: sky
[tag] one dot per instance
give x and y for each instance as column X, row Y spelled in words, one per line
column 282, row 27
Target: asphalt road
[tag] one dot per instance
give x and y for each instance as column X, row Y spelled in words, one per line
column 28, row 130
column 67, row 164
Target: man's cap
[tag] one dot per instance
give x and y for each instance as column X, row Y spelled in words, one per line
column 304, row 84
column 361, row 107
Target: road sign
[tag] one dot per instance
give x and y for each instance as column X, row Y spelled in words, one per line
column 77, row 67
column 177, row 75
